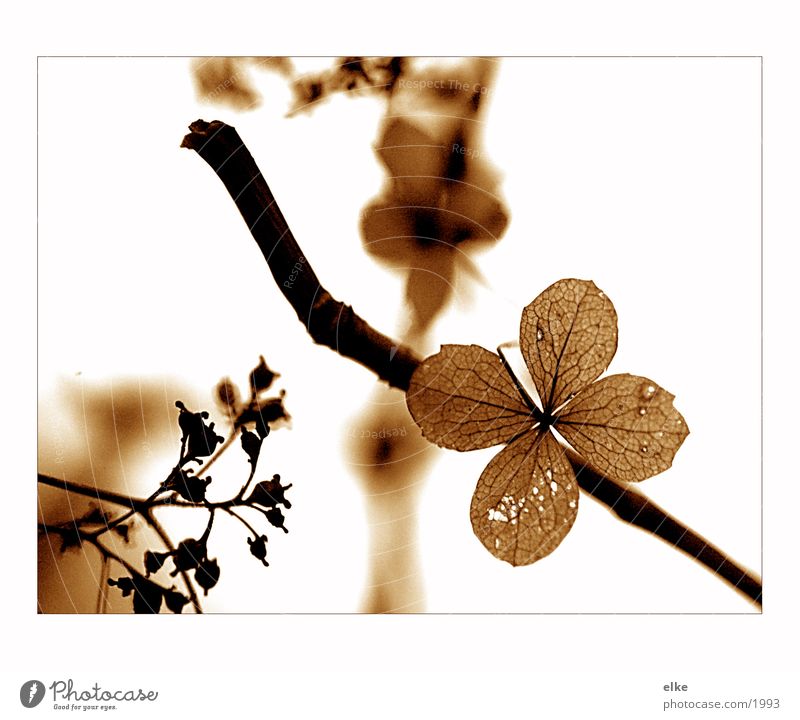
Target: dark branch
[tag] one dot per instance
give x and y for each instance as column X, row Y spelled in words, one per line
column 631, row 505
column 328, row 321
column 331, row 323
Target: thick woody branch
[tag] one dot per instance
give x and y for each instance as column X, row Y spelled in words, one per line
column 331, row 323
column 328, row 321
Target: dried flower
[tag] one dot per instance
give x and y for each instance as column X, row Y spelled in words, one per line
column 207, row 574
column 526, row 500
column 258, row 548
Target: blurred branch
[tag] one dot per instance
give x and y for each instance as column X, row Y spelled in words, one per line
column 338, row 327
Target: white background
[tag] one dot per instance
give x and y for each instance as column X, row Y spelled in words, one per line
column 673, row 644
column 642, row 174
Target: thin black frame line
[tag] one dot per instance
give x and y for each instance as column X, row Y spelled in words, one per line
column 438, row 614
column 761, row 318
column 487, row 57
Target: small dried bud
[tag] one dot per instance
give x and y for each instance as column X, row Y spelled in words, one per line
column 228, row 394
column 258, row 548
column 207, row 574
column 275, row 516
column 174, row 600
column 261, row 377
column 154, row 561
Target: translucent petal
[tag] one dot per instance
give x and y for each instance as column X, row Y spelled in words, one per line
column 526, row 500
column 568, row 336
column 625, row 426
column 463, row 398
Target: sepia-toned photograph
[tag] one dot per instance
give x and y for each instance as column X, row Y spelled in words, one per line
column 389, row 334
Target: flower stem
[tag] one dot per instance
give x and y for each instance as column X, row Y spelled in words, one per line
column 632, row 506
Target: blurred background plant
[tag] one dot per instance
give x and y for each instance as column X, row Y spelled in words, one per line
column 438, row 206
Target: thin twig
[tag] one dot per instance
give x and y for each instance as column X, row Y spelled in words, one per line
column 130, row 513
column 338, row 326
column 142, row 503
column 244, row 522
column 145, row 507
column 203, row 469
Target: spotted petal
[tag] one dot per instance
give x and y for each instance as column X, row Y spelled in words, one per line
column 568, row 336
column 463, row 398
column 526, row 499
column 625, row 426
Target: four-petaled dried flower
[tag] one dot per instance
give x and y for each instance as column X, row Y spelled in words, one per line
column 258, row 547
column 625, row 426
